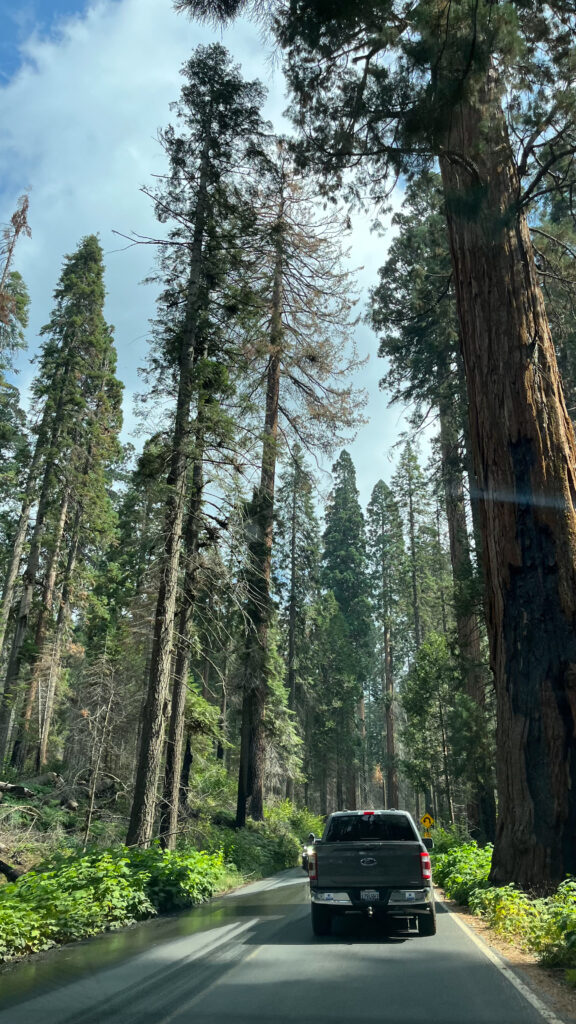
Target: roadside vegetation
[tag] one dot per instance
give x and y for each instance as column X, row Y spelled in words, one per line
column 193, row 631
column 543, row 925
column 71, row 894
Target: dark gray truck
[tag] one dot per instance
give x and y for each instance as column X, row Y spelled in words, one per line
column 374, row 862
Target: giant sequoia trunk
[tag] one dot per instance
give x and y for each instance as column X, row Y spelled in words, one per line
column 525, row 461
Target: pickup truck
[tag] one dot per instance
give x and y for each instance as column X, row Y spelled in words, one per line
column 374, row 862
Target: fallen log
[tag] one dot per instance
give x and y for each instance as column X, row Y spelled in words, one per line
column 15, row 790
column 45, row 779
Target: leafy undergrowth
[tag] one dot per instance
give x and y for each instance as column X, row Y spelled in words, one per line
column 71, row 895
column 262, row 848
column 545, row 926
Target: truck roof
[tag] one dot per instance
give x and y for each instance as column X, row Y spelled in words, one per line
column 380, row 810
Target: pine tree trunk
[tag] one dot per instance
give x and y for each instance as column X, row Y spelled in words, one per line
column 467, row 626
column 292, row 612
column 142, row 817
column 413, row 567
column 481, row 810
column 259, row 609
column 48, row 433
column 20, row 751
column 445, row 764
column 339, row 786
column 243, row 793
column 21, row 628
column 388, row 694
column 222, row 721
column 170, row 803
column 187, row 762
column 62, row 622
column 525, row 462
column 12, row 574
column 14, row 565
column 323, row 790
column 363, row 773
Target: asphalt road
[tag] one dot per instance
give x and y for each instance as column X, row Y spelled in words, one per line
column 251, row 957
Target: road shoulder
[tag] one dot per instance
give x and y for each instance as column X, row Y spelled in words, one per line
column 547, row 983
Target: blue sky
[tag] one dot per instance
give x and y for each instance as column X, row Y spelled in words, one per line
column 84, row 88
column 19, row 21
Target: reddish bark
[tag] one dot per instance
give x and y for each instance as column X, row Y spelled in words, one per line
column 525, row 463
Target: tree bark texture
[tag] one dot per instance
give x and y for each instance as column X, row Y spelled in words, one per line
column 413, row 567
column 261, row 526
column 292, row 614
column 172, row 769
column 525, row 463
column 388, row 694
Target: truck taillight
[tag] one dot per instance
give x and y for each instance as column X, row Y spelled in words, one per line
column 313, row 866
column 426, row 865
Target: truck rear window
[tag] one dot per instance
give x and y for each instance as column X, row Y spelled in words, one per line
column 354, row 828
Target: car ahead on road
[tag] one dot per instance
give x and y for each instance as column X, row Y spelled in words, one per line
column 374, row 862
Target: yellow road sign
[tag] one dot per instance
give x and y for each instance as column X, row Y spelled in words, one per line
column 426, row 821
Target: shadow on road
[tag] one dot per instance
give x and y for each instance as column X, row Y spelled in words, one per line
column 158, row 963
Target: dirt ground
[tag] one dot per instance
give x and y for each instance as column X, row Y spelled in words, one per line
column 548, row 983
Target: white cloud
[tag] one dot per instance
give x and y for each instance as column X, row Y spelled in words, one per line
column 78, row 127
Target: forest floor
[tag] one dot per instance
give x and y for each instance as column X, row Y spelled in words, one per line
column 547, row 982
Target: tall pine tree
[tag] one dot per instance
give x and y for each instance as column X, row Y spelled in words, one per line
column 345, row 575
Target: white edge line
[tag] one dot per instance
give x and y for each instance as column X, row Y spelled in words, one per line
column 528, row 994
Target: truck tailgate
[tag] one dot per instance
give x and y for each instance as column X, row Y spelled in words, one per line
column 369, row 864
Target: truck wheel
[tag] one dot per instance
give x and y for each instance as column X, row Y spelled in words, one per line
column 427, row 923
column 321, row 920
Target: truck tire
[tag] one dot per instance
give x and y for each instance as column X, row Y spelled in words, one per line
column 427, row 923
column 321, row 920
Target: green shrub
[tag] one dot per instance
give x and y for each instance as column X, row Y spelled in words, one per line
column 462, row 870
column 176, row 878
column 264, row 847
column 447, row 838
column 545, row 926
column 298, row 820
column 73, row 895
column 71, row 898
column 259, row 849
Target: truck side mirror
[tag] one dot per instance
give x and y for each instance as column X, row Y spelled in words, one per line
column 428, row 843
column 311, row 838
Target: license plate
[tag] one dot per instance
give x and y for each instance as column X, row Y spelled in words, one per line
column 369, row 894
